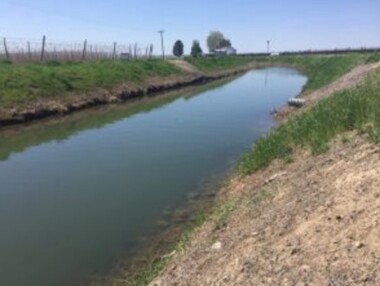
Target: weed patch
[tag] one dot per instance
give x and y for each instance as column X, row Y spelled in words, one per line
column 356, row 109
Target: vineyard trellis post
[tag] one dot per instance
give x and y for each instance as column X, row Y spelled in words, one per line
column 29, row 51
column 150, row 51
column 114, row 51
column 43, row 48
column 135, row 51
column 84, row 50
column 46, row 49
column 6, row 48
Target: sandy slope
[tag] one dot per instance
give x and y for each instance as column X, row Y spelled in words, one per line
column 313, row 222
column 316, row 223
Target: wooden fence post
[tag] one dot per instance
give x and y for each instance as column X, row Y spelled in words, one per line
column 43, row 48
column 84, row 49
column 150, row 51
column 114, row 51
column 135, row 51
column 29, row 51
column 6, row 48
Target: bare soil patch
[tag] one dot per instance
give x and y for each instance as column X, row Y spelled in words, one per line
column 313, row 222
column 186, row 67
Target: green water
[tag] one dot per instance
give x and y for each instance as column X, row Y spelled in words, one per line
column 78, row 193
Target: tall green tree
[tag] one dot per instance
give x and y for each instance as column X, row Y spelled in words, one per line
column 196, row 50
column 225, row 43
column 178, row 48
column 216, row 40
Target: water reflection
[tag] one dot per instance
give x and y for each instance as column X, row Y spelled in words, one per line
column 78, row 192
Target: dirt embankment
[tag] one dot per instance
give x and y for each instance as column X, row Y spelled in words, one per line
column 61, row 105
column 315, row 221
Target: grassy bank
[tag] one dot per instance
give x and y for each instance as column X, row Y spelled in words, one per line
column 216, row 64
column 29, row 81
column 23, row 82
column 323, row 70
column 353, row 109
column 356, row 109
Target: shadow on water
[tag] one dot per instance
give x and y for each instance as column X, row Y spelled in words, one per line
column 17, row 139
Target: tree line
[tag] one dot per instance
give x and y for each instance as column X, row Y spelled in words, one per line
column 215, row 40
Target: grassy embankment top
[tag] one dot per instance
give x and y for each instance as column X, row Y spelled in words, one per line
column 23, row 82
column 216, row 64
column 320, row 70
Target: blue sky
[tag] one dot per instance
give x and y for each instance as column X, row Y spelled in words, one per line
column 289, row 24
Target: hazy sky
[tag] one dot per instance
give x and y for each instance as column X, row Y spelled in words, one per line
column 289, row 24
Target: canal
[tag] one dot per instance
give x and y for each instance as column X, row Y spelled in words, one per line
column 78, row 193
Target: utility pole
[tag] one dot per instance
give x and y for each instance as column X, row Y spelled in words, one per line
column 268, row 46
column 162, row 43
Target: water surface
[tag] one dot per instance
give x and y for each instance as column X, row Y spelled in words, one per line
column 77, row 193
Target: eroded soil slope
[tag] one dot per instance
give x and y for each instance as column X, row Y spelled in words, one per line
column 317, row 223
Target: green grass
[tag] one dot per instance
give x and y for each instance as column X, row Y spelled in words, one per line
column 222, row 212
column 323, row 70
column 29, row 81
column 21, row 82
column 373, row 58
column 215, row 64
column 356, row 109
column 320, row 69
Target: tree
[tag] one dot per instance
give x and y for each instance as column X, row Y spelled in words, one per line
column 178, row 48
column 213, row 40
column 216, row 40
column 225, row 43
column 196, row 49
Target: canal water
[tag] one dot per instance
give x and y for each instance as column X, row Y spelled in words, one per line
column 78, row 193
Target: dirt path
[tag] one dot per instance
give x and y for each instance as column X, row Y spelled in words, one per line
column 315, row 221
column 186, row 67
column 348, row 81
